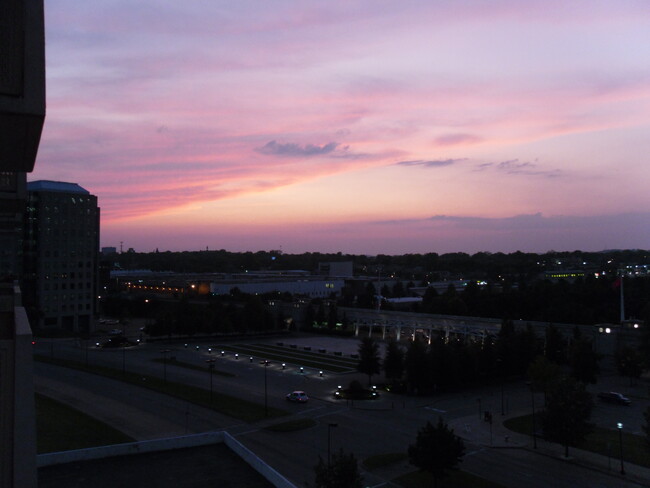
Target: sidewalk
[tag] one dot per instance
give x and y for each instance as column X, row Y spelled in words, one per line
column 497, row 436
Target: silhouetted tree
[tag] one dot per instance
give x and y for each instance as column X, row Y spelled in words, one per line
column 487, row 358
column 629, row 363
column 526, row 349
column 398, row 289
column 506, row 346
column 341, row 472
column 369, row 361
column 310, row 316
column 417, row 366
column 430, row 301
column 554, row 345
column 543, row 375
column 256, row 316
column 332, row 316
column 385, row 292
column 566, row 417
column 319, row 319
column 369, row 298
column 437, row 450
column 393, row 361
column 584, row 360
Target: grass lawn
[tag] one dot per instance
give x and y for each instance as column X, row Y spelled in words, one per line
column 219, row 402
column 292, row 425
column 456, row 479
column 422, row 479
column 62, row 428
column 381, row 460
column 195, row 367
column 601, row 441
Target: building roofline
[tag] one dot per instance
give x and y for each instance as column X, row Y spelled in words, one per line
column 56, row 186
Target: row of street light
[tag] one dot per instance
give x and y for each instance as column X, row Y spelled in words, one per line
column 211, row 366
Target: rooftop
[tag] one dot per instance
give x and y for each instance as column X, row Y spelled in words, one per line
column 211, row 465
column 56, row 186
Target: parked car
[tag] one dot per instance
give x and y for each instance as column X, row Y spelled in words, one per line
column 115, row 332
column 614, row 397
column 297, row 396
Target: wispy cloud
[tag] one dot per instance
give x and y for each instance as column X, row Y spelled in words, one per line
column 457, row 139
column 516, row 167
column 433, row 163
column 296, row 150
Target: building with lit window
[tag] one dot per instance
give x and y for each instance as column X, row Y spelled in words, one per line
column 61, row 255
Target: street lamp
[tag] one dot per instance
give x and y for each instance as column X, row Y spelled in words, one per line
column 620, row 438
column 123, row 360
column 266, row 401
column 532, row 401
column 164, row 353
column 500, row 368
column 211, row 369
column 329, row 442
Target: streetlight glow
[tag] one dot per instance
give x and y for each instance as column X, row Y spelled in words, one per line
column 620, row 440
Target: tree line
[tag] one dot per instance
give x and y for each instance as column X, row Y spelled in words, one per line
column 588, row 300
column 247, row 313
column 455, row 361
column 509, row 267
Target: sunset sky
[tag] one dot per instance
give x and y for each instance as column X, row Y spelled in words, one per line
column 355, row 126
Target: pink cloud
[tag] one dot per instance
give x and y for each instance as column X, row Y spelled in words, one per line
column 455, row 139
column 163, row 106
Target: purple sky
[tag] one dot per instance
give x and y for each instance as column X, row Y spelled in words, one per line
column 363, row 127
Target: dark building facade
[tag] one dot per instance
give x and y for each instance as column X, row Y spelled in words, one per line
column 22, row 112
column 61, row 255
column 12, row 208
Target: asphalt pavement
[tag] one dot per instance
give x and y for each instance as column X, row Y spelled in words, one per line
column 388, row 424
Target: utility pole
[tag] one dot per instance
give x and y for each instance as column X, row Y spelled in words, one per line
column 622, row 300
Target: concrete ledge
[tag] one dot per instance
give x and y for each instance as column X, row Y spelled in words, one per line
column 273, row 477
column 166, row 444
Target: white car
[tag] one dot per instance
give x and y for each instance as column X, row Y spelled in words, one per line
column 297, row 396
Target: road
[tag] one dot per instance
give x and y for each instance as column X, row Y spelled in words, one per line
column 387, row 425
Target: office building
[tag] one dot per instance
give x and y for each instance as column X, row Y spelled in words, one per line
column 61, row 255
